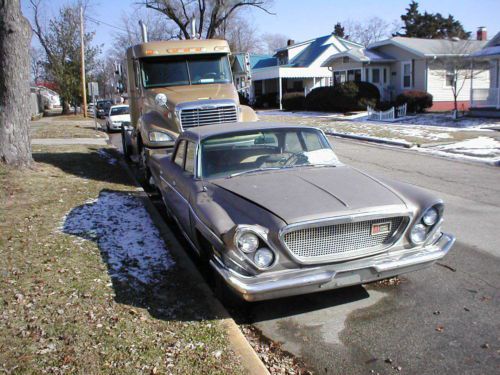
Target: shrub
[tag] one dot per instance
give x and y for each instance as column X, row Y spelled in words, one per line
column 416, row 100
column 294, row 101
column 267, row 101
column 348, row 96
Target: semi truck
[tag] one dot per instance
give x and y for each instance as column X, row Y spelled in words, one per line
column 174, row 85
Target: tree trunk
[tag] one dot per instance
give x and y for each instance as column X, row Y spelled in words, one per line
column 15, row 37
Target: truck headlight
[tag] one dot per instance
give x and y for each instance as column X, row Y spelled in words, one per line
column 247, row 242
column 159, row 137
column 161, row 100
column 263, row 257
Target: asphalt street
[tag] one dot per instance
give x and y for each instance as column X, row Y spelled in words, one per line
column 441, row 320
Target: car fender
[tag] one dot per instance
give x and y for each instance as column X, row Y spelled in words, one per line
column 248, row 114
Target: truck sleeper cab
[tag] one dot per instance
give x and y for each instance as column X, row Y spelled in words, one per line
column 174, row 85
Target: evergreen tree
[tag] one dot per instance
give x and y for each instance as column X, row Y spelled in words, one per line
column 339, row 30
column 430, row 25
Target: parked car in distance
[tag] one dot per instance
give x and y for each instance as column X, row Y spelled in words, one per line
column 103, row 107
column 275, row 213
column 91, row 110
column 117, row 115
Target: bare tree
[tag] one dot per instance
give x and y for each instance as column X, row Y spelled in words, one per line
column 242, row 35
column 15, row 37
column 61, row 43
column 369, row 31
column 38, row 64
column 274, row 41
column 454, row 67
column 210, row 15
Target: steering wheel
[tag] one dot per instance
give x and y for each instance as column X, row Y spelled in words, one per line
column 295, row 159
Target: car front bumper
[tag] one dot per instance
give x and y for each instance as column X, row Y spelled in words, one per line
column 302, row 281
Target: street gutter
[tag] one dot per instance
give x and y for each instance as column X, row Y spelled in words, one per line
column 371, row 139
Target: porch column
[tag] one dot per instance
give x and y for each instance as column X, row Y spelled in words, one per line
column 471, row 82
column 280, row 90
column 498, row 83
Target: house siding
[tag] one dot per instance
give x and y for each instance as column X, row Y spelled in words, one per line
column 442, row 93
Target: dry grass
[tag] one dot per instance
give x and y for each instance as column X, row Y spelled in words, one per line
column 60, row 310
column 65, row 127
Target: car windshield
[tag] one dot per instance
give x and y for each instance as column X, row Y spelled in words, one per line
column 234, row 154
column 104, row 104
column 119, row 111
column 185, row 70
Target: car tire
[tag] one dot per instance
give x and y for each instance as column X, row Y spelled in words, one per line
column 225, row 294
column 126, row 148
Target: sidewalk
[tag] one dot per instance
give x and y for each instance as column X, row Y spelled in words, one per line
column 90, row 284
column 469, row 142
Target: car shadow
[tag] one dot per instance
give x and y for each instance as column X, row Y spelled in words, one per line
column 87, row 165
column 284, row 307
column 143, row 272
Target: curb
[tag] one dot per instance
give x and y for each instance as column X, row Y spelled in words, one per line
column 249, row 358
column 370, row 139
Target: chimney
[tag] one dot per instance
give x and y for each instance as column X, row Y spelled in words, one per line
column 481, row 33
column 290, row 42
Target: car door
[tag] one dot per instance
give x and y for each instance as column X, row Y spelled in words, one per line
column 178, row 183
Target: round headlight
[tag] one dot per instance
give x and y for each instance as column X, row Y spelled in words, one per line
column 161, row 100
column 418, row 233
column 159, row 137
column 430, row 217
column 248, row 242
column 263, row 257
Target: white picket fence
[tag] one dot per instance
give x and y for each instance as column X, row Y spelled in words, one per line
column 389, row 115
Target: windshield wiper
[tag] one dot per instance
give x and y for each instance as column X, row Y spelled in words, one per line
column 252, row 171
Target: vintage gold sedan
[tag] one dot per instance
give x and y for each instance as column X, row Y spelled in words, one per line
column 275, row 213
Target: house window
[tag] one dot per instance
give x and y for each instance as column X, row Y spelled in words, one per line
column 376, row 75
column 407, row 75
column 354, row 75
column 450, row 77
column 339, row 77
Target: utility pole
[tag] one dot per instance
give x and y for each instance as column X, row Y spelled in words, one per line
column 82, row 52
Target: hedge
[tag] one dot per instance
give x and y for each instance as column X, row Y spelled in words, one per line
column 344, row 97
column 416, row 100
column 294, row 101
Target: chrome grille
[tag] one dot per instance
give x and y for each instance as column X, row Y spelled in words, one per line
column 338, row 241
column 208, row 116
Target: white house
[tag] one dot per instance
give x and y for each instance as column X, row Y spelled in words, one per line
column 399, row 63
column 486, row 100
column 299, row 67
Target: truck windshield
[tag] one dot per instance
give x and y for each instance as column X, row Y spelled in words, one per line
column 185, row 70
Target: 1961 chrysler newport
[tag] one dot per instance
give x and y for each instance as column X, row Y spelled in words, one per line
column 276, row 214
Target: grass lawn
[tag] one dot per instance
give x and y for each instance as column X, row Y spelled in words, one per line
column 69, row 126
column 66, row 305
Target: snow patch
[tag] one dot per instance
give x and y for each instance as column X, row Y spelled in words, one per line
column 127, row 237
column 105, row 155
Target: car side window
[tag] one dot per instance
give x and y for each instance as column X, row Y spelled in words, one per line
column 180, row 153
column 190, row 154
column 312, row 141
column 292, row 143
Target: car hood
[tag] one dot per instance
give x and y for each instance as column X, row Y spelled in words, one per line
column 191, row 93
column 125, row 117
column 303, row 194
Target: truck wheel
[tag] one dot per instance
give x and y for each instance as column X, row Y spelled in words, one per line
column 143, row 166
column 126, row 149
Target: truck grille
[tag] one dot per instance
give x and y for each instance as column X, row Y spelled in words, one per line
column 340, row 241
column 208, row 116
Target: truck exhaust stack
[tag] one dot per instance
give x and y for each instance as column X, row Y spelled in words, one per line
column 144, row 32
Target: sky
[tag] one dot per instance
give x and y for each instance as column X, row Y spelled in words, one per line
column 302, row 20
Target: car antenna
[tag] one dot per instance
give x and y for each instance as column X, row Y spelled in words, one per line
column 203, row 188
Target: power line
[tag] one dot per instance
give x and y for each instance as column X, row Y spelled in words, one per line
column 98, row 22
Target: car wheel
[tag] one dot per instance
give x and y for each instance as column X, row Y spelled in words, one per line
column 126, row 149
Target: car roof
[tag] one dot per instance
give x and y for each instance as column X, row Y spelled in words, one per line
column 206, row 131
